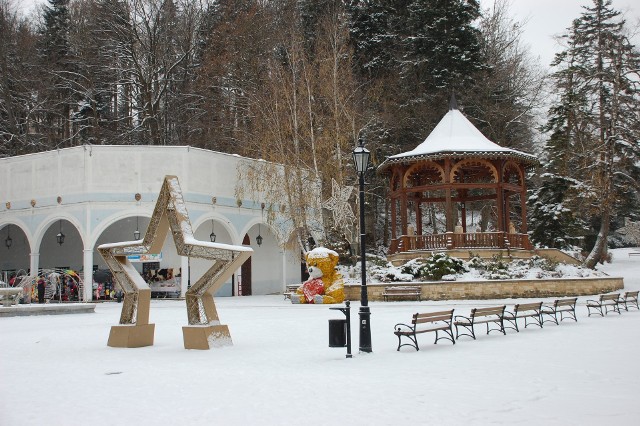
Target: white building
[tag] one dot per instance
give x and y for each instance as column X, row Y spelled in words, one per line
column 101, row 194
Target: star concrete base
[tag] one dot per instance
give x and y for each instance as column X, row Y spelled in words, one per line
column 206, row 337
column 131, row 336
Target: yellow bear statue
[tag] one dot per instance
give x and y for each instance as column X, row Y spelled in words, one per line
column 325, row 285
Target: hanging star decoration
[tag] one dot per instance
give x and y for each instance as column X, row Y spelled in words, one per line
column 339, row 205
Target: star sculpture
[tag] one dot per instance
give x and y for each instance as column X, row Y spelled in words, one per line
column 170, row 214
column 339, row 205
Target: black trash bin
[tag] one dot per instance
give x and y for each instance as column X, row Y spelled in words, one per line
column 337, row 333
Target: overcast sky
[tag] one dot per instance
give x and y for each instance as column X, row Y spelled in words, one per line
column 545, row 19
column 548, row 18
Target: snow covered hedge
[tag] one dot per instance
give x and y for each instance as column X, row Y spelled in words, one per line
column 441, row 266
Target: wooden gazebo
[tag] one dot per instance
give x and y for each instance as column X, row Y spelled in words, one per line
column 457, row 190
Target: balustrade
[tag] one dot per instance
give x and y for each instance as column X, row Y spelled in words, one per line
column 450, row 240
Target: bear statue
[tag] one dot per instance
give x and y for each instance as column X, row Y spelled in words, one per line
column 325, row 285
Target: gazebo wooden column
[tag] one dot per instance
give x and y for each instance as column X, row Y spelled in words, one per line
column 463, row 209
column 403, row 213
column 393, row 215
column 448, row 209
column 500, row 201
column 523, row 209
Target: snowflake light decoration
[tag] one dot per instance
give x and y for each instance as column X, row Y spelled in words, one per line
column 339, row 205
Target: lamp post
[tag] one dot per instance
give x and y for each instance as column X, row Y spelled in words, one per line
column 212, row 235
column 361, row 161
column 8, row 241
column 60, row 236
column 136, row 233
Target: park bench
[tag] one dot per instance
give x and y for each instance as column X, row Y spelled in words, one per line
column 562, row 307
column 629, row 298
column 289, row 290
column 402, row 291
column 492, row 315
column 634, row 253
column 526, row 311
column 425, row 323
column 607, row 301
column 9, row 295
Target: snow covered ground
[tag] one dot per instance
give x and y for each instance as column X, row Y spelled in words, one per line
column 58, row 370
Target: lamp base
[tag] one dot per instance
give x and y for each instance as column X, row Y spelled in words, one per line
column 365, row 329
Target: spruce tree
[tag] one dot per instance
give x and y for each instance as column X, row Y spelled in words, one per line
column 594, row 124
column 55, row 55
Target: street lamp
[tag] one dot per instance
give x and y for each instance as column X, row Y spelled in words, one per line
column 259, row 237
column 361, row 161
column 60, row 236
column 212, row 235
column 8, row 241
column 136, row 233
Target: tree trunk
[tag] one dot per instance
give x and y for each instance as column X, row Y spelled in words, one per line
column 599, row 250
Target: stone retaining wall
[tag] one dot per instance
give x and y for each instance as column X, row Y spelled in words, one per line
column 497, row 289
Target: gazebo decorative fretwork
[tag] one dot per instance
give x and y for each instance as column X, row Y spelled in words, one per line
column 457, row 190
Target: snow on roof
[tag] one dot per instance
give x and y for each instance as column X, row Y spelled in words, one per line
column 456, row 136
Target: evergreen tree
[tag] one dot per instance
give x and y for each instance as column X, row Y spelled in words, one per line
column 441, row 44
column 55, row 56
column 372, row 37
column 594, row 123
column 18, row 96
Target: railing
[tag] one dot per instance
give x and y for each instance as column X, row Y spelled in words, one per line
column 450, row 240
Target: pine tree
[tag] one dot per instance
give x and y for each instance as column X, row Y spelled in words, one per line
column 18, row 74
column 55, row 56
column 442, row 49
column 595, row 123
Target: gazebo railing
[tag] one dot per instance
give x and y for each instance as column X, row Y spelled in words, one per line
column 450, row 240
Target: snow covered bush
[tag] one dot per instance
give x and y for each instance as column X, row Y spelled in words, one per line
column 440, row 265
column 383, row 271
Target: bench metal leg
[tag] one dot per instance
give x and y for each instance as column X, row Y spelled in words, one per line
column 571, row 315
column 509, row 321
column 537, row 320
column 467, row 327
column 598, row 309
column 553, row 317
column 413, row 338
column 449, row 337
column 500, row 327
column 614, row 308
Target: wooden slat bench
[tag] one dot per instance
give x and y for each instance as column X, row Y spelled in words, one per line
column 562, row 307
column 424, row 323
column 492, row 315
column 289, row 290
column 607, row 301
column 629, row 298
column 526, row 311
column 402, row 291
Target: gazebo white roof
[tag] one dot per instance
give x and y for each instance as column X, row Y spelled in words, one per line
column 456, row 136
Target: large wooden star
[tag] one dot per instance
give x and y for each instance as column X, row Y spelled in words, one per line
column 204, row 329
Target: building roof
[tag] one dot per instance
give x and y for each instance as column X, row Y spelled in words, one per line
column 455, row 136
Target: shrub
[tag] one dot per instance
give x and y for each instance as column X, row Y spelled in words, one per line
column 441, row 264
